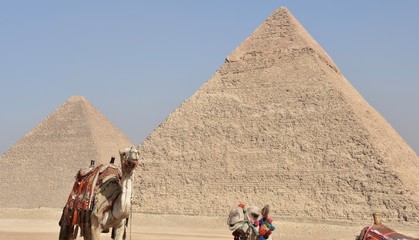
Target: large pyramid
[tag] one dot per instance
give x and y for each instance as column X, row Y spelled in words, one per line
column 39, row 169
column 278, row 123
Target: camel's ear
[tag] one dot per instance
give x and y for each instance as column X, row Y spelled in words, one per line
column 265, row 211
column 121, row 152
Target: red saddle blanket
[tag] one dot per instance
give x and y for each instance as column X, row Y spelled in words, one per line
column 87, row 181
column 382, row 232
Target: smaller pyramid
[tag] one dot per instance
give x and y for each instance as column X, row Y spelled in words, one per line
column 38, row 170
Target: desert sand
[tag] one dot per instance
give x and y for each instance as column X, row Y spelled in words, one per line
column 42, row 224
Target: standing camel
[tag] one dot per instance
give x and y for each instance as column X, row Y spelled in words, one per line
column 110, row 203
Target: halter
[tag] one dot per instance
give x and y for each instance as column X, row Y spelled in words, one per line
column 264, row 224
column 129, row 153
column 127, row 156
column 249, row 223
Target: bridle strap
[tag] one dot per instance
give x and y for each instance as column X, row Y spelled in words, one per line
column 249, row 223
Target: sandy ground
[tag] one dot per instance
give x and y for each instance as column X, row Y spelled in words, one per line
column 42, row 224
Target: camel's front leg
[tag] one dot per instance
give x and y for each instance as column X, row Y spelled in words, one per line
column 118, row 233
column 95, row 228
column 95, row 232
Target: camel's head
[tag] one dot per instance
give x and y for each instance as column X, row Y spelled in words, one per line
column 238, row 215
column 245, row 221
column 129, row 159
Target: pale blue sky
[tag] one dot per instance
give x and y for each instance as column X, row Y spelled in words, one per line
column 136, row 61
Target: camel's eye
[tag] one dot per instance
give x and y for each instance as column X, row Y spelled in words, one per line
column 255, row 215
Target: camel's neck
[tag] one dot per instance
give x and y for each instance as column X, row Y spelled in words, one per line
column 122, row 206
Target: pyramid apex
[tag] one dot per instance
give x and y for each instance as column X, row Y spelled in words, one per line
column 76, row 99
column 282, row 8
column 280, row 32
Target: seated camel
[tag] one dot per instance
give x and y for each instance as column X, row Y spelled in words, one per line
column 250, row 223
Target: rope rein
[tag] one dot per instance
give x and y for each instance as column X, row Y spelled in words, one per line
column 130, row 224
column 264, row 224
column 249, row 223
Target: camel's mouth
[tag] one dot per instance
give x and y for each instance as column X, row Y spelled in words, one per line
column 132, row 163
column 236, row 225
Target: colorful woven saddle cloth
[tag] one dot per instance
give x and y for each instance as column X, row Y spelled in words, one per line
column 92, row 186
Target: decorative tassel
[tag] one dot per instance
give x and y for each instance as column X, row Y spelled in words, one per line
column 74, row 222
column 263, row 230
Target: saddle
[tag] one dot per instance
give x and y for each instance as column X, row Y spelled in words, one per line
column 81, row 200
